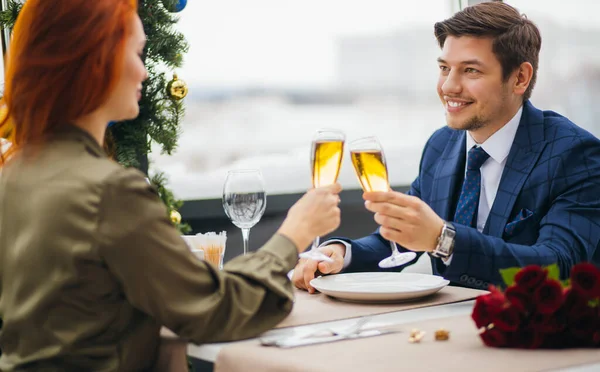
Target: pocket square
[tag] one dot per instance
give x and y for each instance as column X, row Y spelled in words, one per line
column 518, row 222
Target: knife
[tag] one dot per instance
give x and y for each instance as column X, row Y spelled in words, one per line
column 295, row 342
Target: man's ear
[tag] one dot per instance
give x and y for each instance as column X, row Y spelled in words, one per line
column 523, row 75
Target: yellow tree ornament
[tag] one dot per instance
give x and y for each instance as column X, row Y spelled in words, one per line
column 175, row 217
column 177, row 89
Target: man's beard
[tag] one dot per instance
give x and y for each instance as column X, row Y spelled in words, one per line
column 479, row 121
column 471, row 124
column 474, row 123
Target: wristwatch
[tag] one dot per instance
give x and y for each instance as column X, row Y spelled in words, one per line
column 445, row 245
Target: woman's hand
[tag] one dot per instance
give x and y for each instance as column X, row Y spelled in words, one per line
column 315, row 214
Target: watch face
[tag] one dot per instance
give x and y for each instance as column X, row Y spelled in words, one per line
column 445, row 242
column 444, row 247
column 443, row 250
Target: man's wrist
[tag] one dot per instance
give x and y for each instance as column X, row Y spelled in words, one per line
column 338, row 246
column 445, row 245
column 345, row 250
column 438, row 233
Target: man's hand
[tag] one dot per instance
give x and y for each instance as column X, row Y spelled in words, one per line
column 306, row 269
column 405, row 219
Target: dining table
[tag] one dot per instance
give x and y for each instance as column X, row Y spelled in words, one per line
column 385, row 341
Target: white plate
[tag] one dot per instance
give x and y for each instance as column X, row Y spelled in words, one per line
column 379, row 287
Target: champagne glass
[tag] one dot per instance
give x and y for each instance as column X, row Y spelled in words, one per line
column 244, row 200
column 370, row 166
column 326, row 155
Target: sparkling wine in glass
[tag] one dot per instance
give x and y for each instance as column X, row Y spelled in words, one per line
column 244, row 200
column 326, row 155
column 369, row 163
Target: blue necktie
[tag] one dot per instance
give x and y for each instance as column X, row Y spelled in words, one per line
column 466, row 210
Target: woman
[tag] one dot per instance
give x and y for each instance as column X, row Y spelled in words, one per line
column 90, row 266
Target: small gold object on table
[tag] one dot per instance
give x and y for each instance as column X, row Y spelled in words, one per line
column 442, row 335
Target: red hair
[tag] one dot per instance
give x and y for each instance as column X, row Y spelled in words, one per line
column 63, row 61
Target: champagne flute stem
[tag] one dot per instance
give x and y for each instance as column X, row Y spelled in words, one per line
column 394, row 247
column 316, row 243
column 245, row 236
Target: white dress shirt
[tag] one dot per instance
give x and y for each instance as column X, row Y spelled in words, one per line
column 497, row 146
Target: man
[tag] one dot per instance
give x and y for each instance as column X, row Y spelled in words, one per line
column 503, row 185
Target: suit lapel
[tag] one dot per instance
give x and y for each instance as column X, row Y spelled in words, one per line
column 526, row 149
column 446, row 176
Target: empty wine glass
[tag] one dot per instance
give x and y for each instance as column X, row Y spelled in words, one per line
column 326, row 155
column 369, row 163
column 244, row 200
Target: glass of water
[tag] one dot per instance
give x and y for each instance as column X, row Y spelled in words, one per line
column 244, row 200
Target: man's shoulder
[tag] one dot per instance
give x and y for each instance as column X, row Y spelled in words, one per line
column 568, row 146
column 559, row 128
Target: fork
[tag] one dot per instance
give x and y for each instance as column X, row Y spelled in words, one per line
column 351, row 330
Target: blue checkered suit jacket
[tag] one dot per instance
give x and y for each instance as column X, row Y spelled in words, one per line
column 547, row 209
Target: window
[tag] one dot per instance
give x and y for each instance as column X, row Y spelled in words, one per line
column 264, row 75
column 569, row 71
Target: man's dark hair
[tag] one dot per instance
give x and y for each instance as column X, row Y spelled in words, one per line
column 515, row 39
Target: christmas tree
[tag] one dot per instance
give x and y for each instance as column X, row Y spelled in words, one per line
column 161, row 106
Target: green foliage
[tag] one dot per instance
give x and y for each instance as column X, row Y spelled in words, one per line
column 160, row 116
column 553, row 272
column 508, row 275
column 159, row 181
column 8, row 17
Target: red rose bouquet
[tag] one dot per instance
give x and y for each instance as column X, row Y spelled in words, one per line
column 537, row 310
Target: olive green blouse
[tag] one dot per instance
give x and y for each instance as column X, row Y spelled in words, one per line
column 91, row 267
